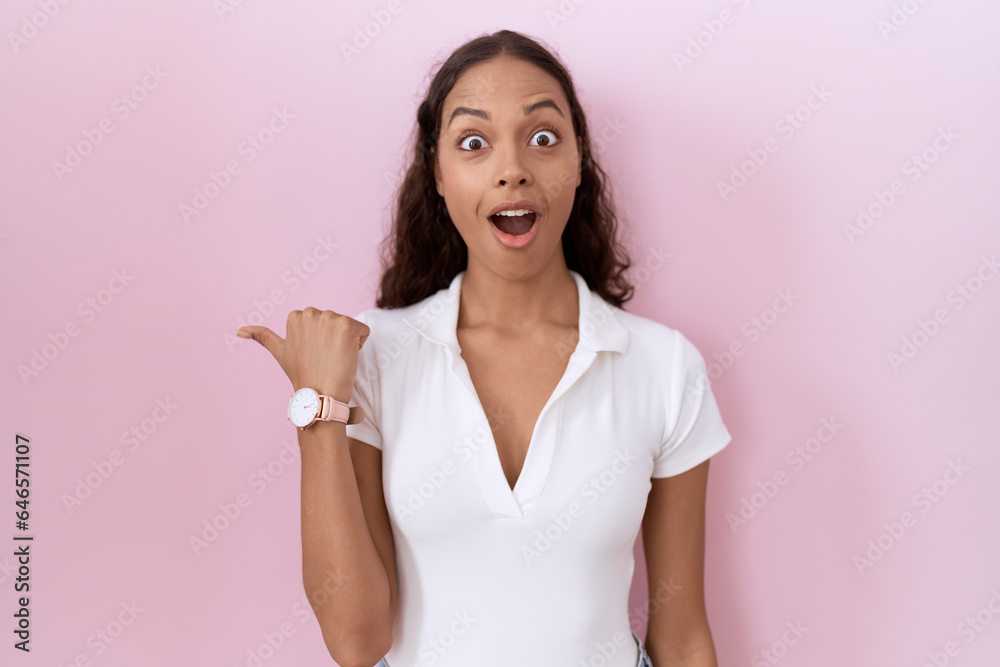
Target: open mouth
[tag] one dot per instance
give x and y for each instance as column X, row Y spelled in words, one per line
column 515, row 225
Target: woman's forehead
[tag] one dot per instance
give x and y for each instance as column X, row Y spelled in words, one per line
column 501, row 77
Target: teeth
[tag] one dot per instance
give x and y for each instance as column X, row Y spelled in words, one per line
column 520, row 211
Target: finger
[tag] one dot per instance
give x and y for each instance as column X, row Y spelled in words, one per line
column 271, row 341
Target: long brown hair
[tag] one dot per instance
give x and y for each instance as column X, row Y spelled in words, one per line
column 424, row 251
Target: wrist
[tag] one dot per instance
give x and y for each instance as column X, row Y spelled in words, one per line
column 341, row 394
column 308, row 406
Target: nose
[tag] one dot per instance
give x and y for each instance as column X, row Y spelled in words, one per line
column 511, row 166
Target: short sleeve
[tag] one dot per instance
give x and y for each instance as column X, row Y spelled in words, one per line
column 694, row 430
column 366, row 384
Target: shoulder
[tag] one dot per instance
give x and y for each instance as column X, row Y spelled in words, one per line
column 387, row 323
column 391, row 328
column 378, row 318
column 650, row 339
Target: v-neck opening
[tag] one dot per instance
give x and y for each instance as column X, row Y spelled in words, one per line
column 518, row 501
column 599, row 330
column 534, row 427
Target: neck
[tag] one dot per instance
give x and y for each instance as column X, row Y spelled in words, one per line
column 518, row 306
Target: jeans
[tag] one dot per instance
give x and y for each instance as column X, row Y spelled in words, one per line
column 644, row 660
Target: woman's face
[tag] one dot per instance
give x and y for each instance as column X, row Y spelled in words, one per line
column 490, row 152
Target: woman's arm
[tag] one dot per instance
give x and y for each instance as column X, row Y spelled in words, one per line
column 350, row 584
column 673, row 534
column 348, row 561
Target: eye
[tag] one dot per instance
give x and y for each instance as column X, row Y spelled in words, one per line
column 546, row 141
column 476, row 144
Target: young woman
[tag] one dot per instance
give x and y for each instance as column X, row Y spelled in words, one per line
column 519, row 426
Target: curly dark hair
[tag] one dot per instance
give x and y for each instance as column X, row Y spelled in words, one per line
column 423, row 251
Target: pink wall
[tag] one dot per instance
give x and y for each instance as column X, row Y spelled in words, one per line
column 884, row 365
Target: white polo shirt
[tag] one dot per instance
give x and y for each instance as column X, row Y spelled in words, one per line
column 537, row 575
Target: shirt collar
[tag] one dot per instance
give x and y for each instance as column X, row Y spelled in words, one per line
column 436, row 317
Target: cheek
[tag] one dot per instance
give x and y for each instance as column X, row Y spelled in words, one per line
column 558, row 183
column 460, row 178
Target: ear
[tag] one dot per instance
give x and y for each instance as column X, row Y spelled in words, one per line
column 437, row 172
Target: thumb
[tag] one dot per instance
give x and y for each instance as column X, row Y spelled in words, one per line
column 271, row 341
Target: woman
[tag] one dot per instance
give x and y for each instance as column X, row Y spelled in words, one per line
column 523, row 424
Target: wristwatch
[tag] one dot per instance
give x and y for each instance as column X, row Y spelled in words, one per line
column 307, row 406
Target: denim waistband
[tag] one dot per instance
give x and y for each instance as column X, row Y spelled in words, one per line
column 644, row 660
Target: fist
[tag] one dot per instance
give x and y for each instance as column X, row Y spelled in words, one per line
column 320, row 350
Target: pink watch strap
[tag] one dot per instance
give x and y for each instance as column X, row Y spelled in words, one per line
column 331, row 409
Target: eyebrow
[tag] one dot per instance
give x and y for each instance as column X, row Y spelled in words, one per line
column 528, row 109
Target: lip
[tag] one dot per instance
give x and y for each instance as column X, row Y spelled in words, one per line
column 508, row 240
column 514, row 205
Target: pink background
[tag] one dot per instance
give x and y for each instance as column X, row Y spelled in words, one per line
column 671, row 132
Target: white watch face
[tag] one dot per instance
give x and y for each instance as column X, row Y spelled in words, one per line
column 303, row 407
